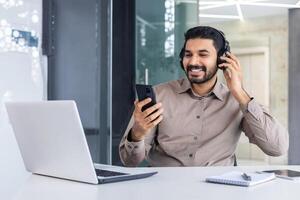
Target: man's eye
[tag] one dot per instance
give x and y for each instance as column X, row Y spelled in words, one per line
column 203, row 55
column 187, row 55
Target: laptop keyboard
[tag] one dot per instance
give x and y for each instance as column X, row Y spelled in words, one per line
column 106, row 173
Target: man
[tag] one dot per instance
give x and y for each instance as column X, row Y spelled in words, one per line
column 198, row 121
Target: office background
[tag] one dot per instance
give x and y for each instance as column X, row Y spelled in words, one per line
column 94, row 51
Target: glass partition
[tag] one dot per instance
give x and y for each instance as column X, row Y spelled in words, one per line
column 160, row 26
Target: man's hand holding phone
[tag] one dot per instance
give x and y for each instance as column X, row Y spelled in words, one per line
column 145, row 120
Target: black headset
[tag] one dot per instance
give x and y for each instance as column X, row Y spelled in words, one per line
column 225, row 48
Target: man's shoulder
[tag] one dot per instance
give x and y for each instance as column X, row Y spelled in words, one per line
column 171, row 86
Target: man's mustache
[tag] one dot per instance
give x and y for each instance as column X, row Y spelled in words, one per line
column 193, row 67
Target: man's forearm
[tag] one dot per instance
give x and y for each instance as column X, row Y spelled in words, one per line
column 242, row 97
column 264, row 130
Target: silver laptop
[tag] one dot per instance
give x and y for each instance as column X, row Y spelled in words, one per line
column 52, row 143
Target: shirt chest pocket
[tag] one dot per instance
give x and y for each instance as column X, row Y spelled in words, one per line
column 174, row 130
column 171, row 129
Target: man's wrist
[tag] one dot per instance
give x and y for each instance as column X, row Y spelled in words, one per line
column 133, row 136
column 242, row 97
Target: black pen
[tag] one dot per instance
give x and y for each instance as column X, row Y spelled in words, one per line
column 246, row 177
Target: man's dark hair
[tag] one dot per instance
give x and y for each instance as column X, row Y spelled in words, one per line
column 205, row 32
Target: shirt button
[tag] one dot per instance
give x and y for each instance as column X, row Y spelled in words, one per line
column 198, row 117
column 195, row 137
column 190, row 155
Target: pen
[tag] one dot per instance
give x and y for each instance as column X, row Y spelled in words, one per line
column 246, row 177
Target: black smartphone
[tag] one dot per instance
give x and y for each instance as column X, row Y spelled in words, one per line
column 285, row 173
column 144, row 92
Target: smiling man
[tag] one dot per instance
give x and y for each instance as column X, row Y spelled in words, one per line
column 198, row 120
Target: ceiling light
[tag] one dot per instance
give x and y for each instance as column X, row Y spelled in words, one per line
column 280, row 5
column 215, row 6
column 238, row 7
column 211, row 2
column 206, row 5
column 219, row 16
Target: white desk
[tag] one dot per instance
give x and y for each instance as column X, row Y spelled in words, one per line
column 182, row 183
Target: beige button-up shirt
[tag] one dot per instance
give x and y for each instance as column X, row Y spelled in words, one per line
column 202, row 131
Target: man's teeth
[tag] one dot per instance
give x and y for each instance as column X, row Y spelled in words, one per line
column 196, row 70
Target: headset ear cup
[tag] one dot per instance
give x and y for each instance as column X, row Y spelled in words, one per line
column 181, row 64
column 219, row 60
column 181, row 55
column 227, row 46
column 222, row 52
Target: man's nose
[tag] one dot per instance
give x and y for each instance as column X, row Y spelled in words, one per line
column 195, row 60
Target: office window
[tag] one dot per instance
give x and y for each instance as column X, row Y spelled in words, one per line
column 160, row 27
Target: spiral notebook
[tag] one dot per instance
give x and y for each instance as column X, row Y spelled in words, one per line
column 235, row 178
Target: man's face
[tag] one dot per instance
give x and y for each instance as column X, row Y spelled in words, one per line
column 200, row 60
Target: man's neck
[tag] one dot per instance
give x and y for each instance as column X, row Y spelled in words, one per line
column 204, row 88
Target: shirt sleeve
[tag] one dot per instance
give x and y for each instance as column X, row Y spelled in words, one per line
column 264, row 130
column 133, row 153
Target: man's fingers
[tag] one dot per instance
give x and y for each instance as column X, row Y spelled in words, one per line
column 227, row 66
column 140, row 104
column 229, row 70
column 233, row 57
column 154, row 115
column 226, row 75
column 230, row 61
column 155, row 122
column 152, row 109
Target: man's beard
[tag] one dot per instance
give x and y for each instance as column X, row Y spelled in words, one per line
column 207, row 76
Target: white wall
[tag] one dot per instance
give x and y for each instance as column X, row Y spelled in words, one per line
column 22, row 77
column 270, row 32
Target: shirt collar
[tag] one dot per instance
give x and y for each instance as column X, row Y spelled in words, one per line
column 219, row 90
